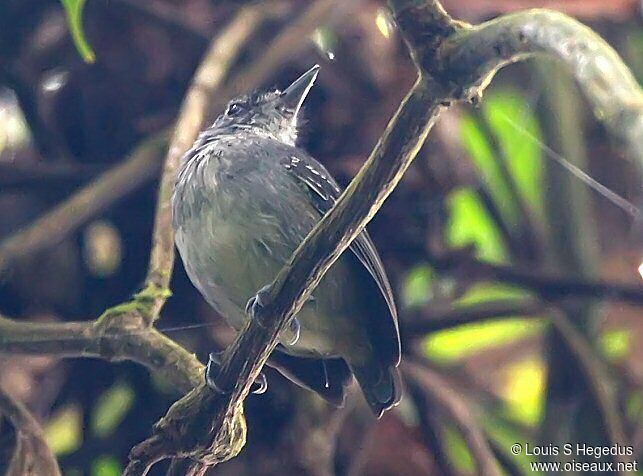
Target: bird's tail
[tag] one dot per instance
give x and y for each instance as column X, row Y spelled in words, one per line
column 381, row 385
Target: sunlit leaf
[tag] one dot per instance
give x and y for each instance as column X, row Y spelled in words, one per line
column 64, row 431
column 516, row 131
column 483, row 291
column 511, row 119
column 326, row 41
column 111, row 408
column 416, row 289
column 616, row 344
column 457, row 451
column 74, row 12
column 470, row 224
column 106, row 466
column 524, row 390
column 455, row 344
column 479, row 149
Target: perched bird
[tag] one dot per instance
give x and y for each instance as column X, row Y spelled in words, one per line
column 245, row 197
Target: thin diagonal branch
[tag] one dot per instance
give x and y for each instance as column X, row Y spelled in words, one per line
column 547, row 285
column 444, row 397
column 53, row 227
column 32, row 456
column 430, row 319
column 208, row 78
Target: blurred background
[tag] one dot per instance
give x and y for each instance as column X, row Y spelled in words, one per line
column 482, row 220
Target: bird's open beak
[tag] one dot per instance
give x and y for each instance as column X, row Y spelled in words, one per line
column 293, row 97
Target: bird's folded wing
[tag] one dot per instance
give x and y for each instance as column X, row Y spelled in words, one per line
column 324, row 192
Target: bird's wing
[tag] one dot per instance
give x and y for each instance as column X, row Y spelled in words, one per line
column 324, row 192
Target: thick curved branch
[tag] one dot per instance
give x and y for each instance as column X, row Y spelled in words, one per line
column 473, row 55
column 31, row 456
column 115, row 336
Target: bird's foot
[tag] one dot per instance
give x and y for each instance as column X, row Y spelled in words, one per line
column 292, row 333
column 259, row 386
column 258, row 301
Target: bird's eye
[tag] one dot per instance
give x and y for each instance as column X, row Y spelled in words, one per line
column 234, row 108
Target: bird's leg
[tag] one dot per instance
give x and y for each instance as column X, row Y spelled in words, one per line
column 260, row 385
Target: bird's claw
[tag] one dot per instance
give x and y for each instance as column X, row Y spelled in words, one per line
column 259, row 386
column 294, row 331
column 212, row 370
column 256, row 302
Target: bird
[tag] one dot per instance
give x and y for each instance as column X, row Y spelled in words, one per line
column 246, row 195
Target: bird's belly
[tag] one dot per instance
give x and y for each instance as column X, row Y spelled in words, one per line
column 230, row 260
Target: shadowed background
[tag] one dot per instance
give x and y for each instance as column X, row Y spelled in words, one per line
column 483, row 189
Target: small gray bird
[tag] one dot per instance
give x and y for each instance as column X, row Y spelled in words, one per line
column 246, row 196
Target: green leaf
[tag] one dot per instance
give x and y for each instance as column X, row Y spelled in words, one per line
column 64, row 431
column 451, row 345
column 455, row 344
column 616, row 344
column 416, row 290
column 483, row 292
column 515, row 129
column 106, row 466
column 457, row 451
column 524, row 390
column 74, row 12
column 477, row 145
column 111, row 408
column 511, row 119
column 469, row 224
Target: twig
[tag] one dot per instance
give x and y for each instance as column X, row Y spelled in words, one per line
column 31, row 456
column 442, row 395
column 55, row 226
column 143, row 165
column 430, row 319
column 32, row 173
column 598, row 379
column 549, row 286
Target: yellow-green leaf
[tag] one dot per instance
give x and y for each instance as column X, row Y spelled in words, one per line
column 111, row 408
column 106, row 466
column 416, row 290
column 64, row 431
column 469, row 224
column 511, row 119
column 74, row 12
column 524, row 390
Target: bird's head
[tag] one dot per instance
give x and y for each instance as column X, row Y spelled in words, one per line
column 273, row 113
